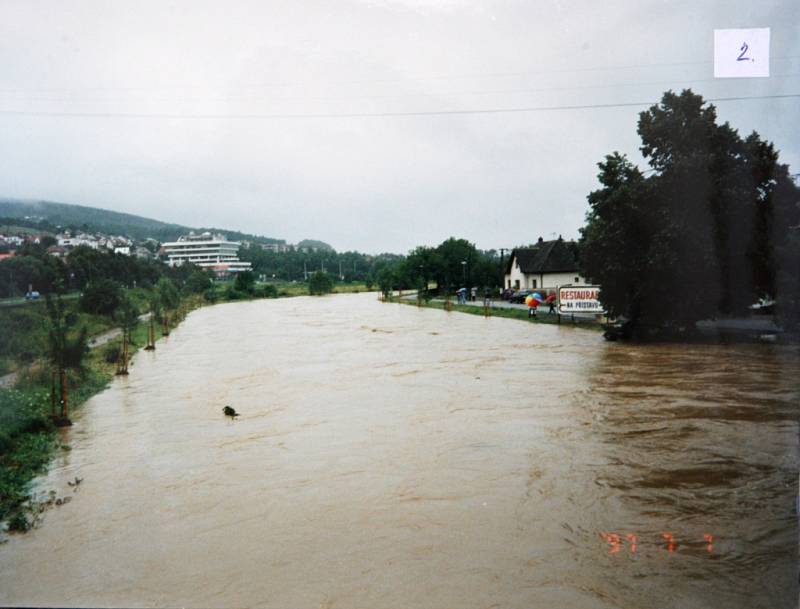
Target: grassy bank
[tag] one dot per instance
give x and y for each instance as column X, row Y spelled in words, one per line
column 289, row 289
column 519, row 314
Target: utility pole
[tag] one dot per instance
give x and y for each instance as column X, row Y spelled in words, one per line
column 502, row 274
column 305, row 271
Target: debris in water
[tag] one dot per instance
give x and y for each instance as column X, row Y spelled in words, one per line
column 230, row 412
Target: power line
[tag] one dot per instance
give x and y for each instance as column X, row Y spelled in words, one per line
column 396, row 96
column 506, row 74
column 175, row 116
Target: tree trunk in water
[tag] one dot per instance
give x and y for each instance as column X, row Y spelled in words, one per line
column 53, row 391
column 151, row 336
column 64, row 409
column 125, row 342
column 165, row 326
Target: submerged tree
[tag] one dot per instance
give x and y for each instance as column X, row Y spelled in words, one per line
column 67, row 347
column 154, row 306
column 169, row 299
column 127, row 317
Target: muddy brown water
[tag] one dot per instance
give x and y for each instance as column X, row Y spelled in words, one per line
column 389, row 456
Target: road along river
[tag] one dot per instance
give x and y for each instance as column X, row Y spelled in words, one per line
column 390, row 456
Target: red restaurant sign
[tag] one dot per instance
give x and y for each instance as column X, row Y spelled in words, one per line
column 583, row 299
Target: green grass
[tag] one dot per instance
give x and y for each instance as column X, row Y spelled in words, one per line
column 289, row 289
column 27, row 441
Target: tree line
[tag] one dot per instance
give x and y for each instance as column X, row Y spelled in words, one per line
column 452, row 264
column 33, row 266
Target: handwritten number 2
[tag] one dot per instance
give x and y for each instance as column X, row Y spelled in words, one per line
column 743, row 50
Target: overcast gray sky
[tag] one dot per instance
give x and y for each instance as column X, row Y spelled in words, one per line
column 177, row 110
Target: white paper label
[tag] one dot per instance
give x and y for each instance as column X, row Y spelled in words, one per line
column 741, row 53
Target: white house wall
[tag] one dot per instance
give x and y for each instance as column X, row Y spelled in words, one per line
column 515, row 275
column 553, row 280
column 543, row 281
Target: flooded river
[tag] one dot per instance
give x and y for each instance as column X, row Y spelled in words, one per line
column 390, row 456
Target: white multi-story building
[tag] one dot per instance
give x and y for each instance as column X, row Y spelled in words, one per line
column 208, row 251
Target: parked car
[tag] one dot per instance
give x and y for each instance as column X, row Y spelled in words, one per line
column 519, row 296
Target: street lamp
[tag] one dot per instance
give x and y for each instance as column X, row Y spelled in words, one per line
column 464, row 272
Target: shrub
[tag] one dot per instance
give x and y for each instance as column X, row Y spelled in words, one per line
column 267, row 291
column 6, row 443
column 19, row 523
column 111, row 353
column 102, row 296
column 210, row 295
column 233, row 294
column 320, row 283
column 245, row 282
column 198, row 282
column 168, row 294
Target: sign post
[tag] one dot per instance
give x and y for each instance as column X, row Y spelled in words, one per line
column 579, row 299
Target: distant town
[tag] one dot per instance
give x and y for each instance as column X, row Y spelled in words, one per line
column 210, row 251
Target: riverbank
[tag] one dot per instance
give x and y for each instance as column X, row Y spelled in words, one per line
column 28, row 438
column 494, row 310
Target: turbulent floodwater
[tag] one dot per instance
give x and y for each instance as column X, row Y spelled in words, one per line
column 389, row 456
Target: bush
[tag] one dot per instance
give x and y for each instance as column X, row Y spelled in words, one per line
column 19, row 523
column 102, row 296
column 111, row 353
column 245, row 282
column 168, row 294
column 210, row 295
column 6, row 443
column 23, row 333
column 19, row 409
column 233, row 294
column 267, row 291
column 320, row 283
column 198, row 282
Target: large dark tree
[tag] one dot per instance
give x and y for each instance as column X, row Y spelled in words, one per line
column 616, row 238
column 707, row 233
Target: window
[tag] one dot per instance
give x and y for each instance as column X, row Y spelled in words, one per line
column 534, row 284
column 577, row 280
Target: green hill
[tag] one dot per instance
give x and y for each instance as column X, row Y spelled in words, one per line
column 320, row 245
column 81, row 217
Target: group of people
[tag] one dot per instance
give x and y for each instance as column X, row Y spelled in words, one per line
column 461, row 294
column 534, row 300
